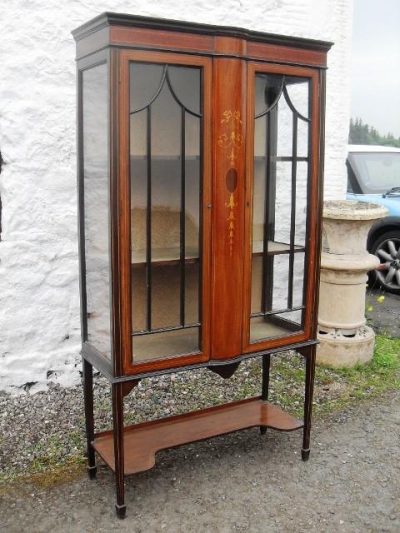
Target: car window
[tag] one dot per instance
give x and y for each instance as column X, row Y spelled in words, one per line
column 352, row 184
column 349, row 186
column 376, row 172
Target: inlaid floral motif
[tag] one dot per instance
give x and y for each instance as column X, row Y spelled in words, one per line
column 232, row 139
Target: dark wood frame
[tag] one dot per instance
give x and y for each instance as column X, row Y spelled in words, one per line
column 229, row 57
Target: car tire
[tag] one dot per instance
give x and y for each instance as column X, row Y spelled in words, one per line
column 387, row 249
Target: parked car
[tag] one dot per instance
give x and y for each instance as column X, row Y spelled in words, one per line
column 374, row 176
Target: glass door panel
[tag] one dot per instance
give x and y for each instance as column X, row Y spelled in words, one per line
column 96, row 182
column 166, row 182
column 280, row 191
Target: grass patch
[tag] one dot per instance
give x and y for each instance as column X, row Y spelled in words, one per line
column 55, row 474
column 50, row 457
column 337, row 388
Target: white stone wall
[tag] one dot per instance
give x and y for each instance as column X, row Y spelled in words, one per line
column 39, row 305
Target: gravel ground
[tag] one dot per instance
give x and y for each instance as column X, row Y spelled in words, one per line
column 47, row 428
column 240, row 482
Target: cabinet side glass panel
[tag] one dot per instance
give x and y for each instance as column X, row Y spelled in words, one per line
column 280, row 191
column 165, row 162
column 96, row 206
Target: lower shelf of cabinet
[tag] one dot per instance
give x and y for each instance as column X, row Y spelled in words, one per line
column 143, row 441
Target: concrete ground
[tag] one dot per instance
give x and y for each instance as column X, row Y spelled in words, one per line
column 240, row 482
column 244, row 481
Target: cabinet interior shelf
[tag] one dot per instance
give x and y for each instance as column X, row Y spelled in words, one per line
column 274, row 248
column 170, row 255
column 163, row 256
column 143, row 441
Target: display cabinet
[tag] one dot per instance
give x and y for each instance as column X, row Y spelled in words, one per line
column 200, row 154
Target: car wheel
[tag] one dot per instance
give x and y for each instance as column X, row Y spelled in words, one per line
column 387, row 249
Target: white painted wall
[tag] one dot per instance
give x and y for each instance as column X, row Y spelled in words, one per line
column 39, row 305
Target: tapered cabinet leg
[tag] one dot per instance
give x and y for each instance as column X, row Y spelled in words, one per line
column 308, row 400
column 266, row 363
column 89, row 418
column 118, row 426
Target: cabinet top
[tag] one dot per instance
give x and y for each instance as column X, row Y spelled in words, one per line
column 109, row 20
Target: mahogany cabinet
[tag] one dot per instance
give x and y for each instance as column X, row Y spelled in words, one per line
column 200, row 154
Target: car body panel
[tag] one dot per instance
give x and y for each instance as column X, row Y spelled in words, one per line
column 392, row 203
column 384, row 236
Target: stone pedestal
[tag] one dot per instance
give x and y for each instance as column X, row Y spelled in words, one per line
column 345, row 340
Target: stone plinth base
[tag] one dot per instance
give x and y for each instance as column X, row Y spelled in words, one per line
column 340, row 351
column 345, row 261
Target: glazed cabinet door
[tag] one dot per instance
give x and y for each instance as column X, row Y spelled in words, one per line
column 165, row 179
column 93, row 190
column 283, row 202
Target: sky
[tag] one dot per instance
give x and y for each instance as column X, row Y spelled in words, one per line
column 376, row 64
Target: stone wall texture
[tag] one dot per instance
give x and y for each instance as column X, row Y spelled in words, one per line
column 39, row 309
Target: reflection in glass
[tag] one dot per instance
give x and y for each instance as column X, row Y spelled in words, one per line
column 301, row 203
column 283, row 193
column 277, row 325
column 184, row 83
column 96, row 202
column 281, row 175
column 297, row 95
column 298, row 279
column 165, row 134
column 268, row 90
column 302, row 138
column 285, row 129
